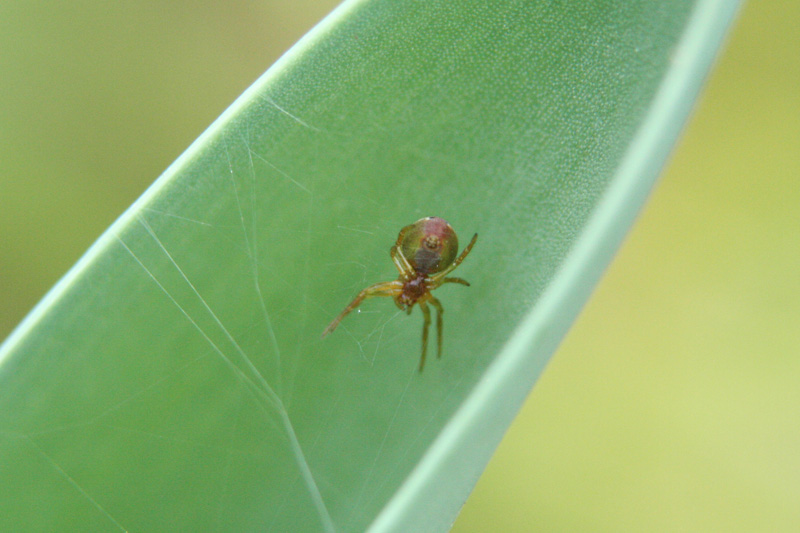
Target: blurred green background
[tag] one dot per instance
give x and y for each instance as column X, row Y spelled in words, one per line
column 674, row 403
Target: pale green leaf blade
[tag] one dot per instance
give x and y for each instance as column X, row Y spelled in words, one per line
column 176, row 378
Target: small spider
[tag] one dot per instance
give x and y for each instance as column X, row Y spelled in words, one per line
column 425, row 252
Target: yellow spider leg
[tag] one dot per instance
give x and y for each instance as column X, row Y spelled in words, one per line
column 464, row 253
column 386, row 288
column 439, row 312
column 402, row 264
column 426, row 313
column 435, row 284
column 402, row 234
column 400, row 260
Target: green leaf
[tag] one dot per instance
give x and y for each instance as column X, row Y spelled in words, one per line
column 176, row 378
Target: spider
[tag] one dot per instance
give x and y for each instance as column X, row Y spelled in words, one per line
column 425, row 252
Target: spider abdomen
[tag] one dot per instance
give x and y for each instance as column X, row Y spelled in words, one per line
column 429, row 244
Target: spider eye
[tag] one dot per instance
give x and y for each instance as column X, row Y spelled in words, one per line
column 430, row 245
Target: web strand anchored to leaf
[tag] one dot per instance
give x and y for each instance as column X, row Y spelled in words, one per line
column 265, row 396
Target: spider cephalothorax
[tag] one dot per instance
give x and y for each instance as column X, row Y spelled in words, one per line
column 425, row 252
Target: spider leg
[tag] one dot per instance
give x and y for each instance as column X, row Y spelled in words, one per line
column 464, row 253
column 435, row 284
column 401, row 235
column 400, row 261
column 386, row 288
column 426, row 313
column 439, row 312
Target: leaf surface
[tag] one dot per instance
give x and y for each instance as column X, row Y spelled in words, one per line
column 176, row 378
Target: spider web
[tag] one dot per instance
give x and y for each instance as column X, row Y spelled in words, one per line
column 248, row 323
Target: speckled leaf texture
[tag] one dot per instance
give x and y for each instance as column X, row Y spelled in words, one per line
column 176, row 378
